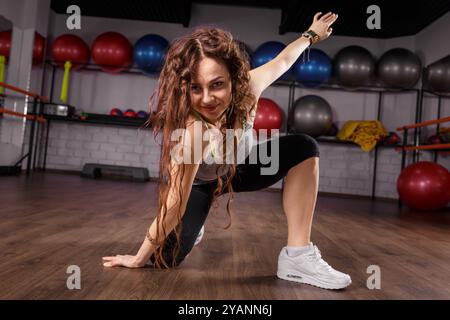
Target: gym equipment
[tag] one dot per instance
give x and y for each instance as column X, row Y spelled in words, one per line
column 312, row 115
column 266, row 52
column 289, row 75
column 69, row 47
column 434, row 139
column 95, row 170
column 333, row 130
column 354, row 66
column 112, row 51
column 58, row 109
column 83, row 116
column 444, row 135
column 38, row 47
column 69, row 52
column 392, row 139
column 129, row 113
column 437, row 75
column 246, row 51
column 314, row 72
column 149, row 52
column 399, row 68
column 116, row 112
column 268, row 116
column 25, row 116
column 5, row 47
column 424, row 185
column 142, row 114
column 5, row 43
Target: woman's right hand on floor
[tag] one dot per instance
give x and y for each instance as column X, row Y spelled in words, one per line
column 128, row 261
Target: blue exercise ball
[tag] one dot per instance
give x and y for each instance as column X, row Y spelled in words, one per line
column 314, row 71
column 289, row 75
column 149, row 52
column 268, row 51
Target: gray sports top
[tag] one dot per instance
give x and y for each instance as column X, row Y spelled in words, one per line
column 207, row 169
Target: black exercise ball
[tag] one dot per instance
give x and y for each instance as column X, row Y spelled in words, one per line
column 399, row 68
column 247, row 52
column 354, row 66
column 438, row 75
column 311, row 115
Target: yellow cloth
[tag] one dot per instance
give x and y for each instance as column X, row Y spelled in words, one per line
column 365, row 133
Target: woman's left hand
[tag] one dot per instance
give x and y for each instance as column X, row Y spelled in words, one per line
column 119, row 260
column 322, row 26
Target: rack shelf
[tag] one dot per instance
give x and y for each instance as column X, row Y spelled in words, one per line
column 93, row 118
column 292, row 85
column 375, row 88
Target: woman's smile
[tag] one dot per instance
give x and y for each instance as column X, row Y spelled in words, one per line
column 210, row 109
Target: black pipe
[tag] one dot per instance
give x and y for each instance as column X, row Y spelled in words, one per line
column 30, row 143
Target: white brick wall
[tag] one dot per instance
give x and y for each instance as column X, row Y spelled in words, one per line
column 72, row 145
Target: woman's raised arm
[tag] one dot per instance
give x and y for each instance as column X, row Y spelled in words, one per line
column 265, row 75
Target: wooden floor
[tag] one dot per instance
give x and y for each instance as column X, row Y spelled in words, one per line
column 51, row 221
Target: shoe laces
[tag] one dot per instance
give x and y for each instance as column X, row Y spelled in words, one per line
column 316, row 256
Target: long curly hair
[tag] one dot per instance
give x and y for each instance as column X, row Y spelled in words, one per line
column 172, row 105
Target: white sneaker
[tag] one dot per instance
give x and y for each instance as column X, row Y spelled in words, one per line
column 200, row 236
column 310, row 268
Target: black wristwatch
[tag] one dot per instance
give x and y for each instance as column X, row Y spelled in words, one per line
column 312, row 36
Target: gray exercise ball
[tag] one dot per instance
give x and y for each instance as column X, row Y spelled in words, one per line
column 438, row 75
column 399, row 68
column 311, row 115
column 354, row 66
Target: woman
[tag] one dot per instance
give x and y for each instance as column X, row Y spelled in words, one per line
column 206, row 86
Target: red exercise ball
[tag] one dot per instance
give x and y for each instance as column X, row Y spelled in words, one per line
column 116, row 112
column 5, row 43
column 112, row 51
column 69, row 47
column 38, row 47
column 391, row 139
column 130, row 113
column 268, row 115
column 434, row 139
column 424, row 185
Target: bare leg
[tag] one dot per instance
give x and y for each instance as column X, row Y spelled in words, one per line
column 299, row 200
